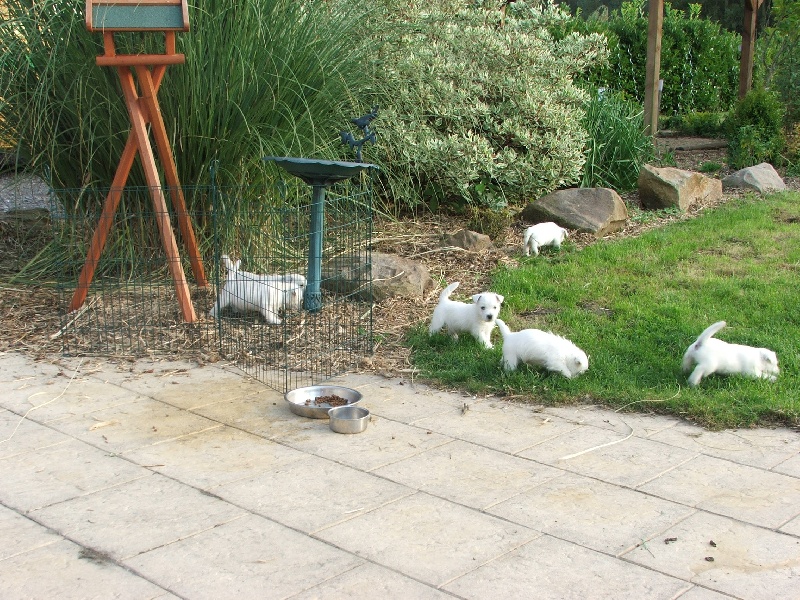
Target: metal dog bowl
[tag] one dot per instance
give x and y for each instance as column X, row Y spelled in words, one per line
column 348, row 419
column 303, row 401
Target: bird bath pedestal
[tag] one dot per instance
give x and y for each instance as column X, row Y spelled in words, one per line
column 319, row 174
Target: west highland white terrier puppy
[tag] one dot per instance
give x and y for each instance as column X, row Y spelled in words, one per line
column 542, row 234
column 715, row 356
column 477, row 318
column 542, row 349
column 268, row 294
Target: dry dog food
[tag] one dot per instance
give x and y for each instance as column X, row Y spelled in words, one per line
column 331, row 400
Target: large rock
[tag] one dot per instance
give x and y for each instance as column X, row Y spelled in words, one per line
column 468, row 240
column 391, row 276
column 668, row 187
column 762, row 178
column 599, row 211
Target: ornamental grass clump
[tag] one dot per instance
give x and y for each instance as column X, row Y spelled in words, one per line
column 261, row 77
column 617, row 147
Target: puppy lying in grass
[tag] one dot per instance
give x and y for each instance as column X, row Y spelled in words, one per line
column 542, row 349
column 268, row 294
column 542, row 234
column 711, row 355
column 477, row 318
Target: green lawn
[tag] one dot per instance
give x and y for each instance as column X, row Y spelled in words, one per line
column 634, row 306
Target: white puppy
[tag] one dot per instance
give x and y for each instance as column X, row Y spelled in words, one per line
column 542, row 349
column 477, row 318
column 542, row 234
column 268, row 294
column 715, row 356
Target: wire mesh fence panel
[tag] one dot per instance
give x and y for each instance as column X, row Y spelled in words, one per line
column 131, row 306
column 265, row 325
column 253, row 243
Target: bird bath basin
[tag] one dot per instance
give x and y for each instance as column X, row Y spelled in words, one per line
column 319, row 174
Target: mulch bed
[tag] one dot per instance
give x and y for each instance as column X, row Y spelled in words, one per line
column 32, row 317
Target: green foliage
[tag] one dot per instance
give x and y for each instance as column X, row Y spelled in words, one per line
column 793, row 151
column 699, row 59
column 635, row 304
column 777, row 62
column 261, row 77
column 617, row 146
column 480, row 108
column 710, row 167
column 703, row 124
column 488, row 221
column 755, row 130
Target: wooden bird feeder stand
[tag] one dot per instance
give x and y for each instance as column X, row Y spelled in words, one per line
column 167, row 16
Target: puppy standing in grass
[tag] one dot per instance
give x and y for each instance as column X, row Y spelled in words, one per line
column 715, row 356
column 477, row 318
column 268, row 294
column 542, row 234
column 542, row 349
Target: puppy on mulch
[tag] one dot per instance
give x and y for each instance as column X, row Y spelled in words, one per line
column 542, row 349
column 477, row 318
column 711, row 355
column 267, row 294
column 542, row 234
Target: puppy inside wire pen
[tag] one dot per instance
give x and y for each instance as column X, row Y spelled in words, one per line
column 262, row 243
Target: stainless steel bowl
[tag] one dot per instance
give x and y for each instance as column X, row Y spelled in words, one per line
column 348, row 419
column 302, row 401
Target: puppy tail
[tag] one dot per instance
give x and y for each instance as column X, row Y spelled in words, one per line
column 448, row 290
column 501, row 325
column 709, row 331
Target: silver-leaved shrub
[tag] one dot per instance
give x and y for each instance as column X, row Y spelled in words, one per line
column 479, row 105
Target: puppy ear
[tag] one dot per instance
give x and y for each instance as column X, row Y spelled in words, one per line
column 476, row 298
column 769, row 357
column 500, row 298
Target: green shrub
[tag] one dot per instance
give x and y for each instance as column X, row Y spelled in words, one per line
column 777, row 61
column 487, row 221
column 699, row 59
column 480, row 108
column 755, row 130
column 617, row 146
column 704, row 124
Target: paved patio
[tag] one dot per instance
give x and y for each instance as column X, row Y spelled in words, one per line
column 156, row 479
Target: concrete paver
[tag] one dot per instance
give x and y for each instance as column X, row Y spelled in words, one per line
column 163, row 479
column 720, row 486
column 428, row 538
column 747, row 561
column 483, row 477
column 552, row 569
column 594, row 514
column 251, row 557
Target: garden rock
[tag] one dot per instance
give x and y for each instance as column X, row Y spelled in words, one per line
column 669, row 187
column 468, row 240
column 762, row 178
column 598, row 211
column 392, row 276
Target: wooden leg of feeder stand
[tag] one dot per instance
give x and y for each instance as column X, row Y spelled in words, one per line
column 110, row 206
column 104, row 224
column 148, row 90
column 139, row 124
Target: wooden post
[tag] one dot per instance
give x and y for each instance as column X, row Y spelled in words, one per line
column 653, row 66
column 167, row 16
column 748, row 46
